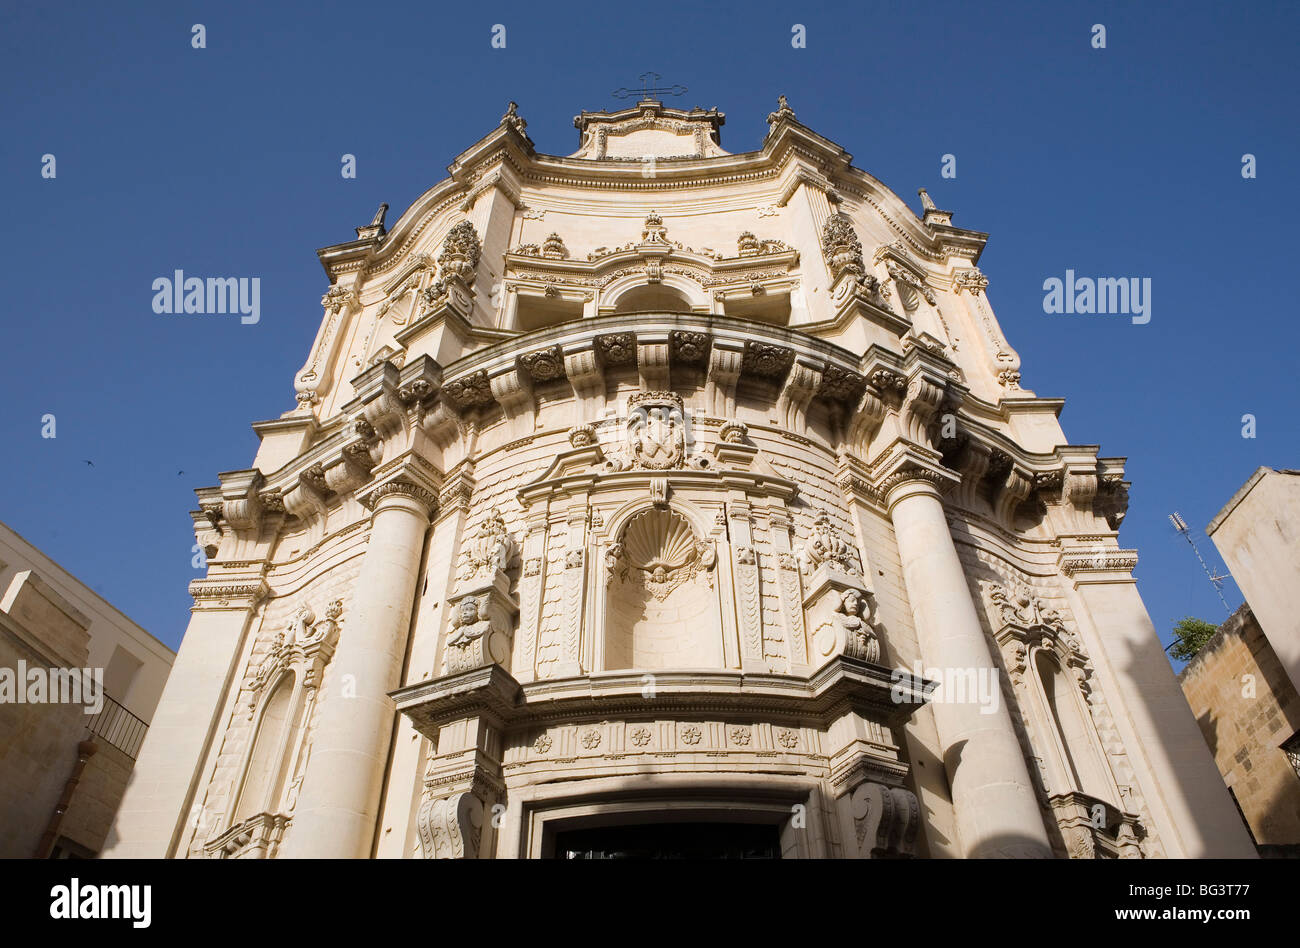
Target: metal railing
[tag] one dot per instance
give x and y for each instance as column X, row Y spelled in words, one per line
column 118, row 727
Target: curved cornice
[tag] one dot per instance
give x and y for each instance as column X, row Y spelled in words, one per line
column 790, row 149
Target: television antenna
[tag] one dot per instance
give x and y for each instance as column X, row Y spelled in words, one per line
column 1216, row 579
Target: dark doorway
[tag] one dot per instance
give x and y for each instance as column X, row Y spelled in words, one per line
column 671, row 841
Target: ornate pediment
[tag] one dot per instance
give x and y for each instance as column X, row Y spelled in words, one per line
column 304, row 645
column 649, row 131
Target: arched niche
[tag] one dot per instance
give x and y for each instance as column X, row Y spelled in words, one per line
column 1075, row 759
column 661, row 599
column 264, row 776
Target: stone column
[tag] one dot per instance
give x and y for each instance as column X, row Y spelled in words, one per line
column 337, row 812
column 992, row 795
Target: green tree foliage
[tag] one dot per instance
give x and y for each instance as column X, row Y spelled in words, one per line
column 1191, row 635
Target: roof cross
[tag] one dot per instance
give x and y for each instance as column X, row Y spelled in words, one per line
column 648, row 88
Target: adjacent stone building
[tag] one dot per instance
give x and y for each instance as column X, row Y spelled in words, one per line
column 660, row 485
column 1249, row 713
column 79, row 682
column 1258, row 535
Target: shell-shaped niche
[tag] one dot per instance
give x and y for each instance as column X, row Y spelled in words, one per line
column 661, row 608
column 657, row 538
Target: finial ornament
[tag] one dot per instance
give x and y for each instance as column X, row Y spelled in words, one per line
column 783, row 112
column 513, row 118
column 376, row 226
column 926, row 201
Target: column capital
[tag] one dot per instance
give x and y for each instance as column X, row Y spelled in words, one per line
column 408, row 475
column 907, row 469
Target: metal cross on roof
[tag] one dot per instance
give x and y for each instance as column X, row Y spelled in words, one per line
column 648, row 79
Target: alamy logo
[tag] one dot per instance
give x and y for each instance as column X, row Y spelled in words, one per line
column 179, row 294
column 1102, row 296
column 954, row 686
column 74, row 900
column 40, row 685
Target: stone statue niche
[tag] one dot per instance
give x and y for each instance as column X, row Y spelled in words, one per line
column 482, row 609
column 661, row 601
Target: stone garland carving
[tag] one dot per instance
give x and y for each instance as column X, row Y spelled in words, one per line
column 573, row 583
column 841, row 248
column 792, row 604
column 490, row 550
column 750, row 602
column 825, row 545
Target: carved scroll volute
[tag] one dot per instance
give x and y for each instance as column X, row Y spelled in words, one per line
column 865, row 420
column 725, row 365
column 800, row 386
column 885, row 821
column 973, row 463
column 451, row 827
column 315, row 377
column 920, row 405
column 1078, row 491
column 1015, row 487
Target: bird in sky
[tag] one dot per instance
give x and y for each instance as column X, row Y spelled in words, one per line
column 91, row 463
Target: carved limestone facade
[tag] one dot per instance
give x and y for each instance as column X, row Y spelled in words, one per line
column 662, row 483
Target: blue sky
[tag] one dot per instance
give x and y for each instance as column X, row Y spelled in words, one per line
column 225, row 161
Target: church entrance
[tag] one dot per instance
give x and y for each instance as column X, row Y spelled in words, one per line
column 671, row 841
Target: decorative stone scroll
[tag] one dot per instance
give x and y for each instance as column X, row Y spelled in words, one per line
column 482, row 609
column 305, row 645
column 885, row 821
column 450, row 827
column 825, row 546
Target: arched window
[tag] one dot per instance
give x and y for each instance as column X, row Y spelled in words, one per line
column 653, row 297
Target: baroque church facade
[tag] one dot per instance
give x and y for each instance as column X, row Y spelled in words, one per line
column 660, row 485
